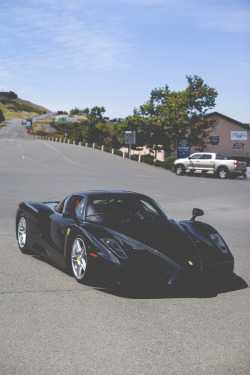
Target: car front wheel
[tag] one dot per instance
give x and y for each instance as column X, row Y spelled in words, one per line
column 179, row 170
column 79, row 259
column 22, row 234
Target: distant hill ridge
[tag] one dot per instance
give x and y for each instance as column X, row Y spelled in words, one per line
column 13, row 107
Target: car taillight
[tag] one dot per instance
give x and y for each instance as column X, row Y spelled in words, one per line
column 235, row 163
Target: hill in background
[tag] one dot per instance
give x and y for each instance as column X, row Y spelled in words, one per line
column 18, row 108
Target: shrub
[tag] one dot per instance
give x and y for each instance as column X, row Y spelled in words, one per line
column 159, row 163
column 168, row 162
column 149, row 159
column 119, row 153
column 40, row 132
column 134, row 157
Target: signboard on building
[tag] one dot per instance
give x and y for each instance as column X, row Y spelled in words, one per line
column 214, row 140
column 238, row 146
column 239, row 135
column 183, row 148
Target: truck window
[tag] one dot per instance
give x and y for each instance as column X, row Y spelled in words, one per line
column 195, row 156
column 220, row 157
column 206, row 156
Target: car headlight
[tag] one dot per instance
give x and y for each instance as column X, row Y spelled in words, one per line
column 114, row 246
column 216, row 238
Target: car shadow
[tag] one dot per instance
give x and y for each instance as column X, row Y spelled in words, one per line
column 160, row 292
column 151, row 291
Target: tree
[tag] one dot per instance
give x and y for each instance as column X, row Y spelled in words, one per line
column 87, row 131
column 75, row 111
column 168, row 115
column 2, row 118
column 95, row 115
column 142, row 126
column 12, row 95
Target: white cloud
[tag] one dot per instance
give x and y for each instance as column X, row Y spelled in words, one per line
column 79, row 39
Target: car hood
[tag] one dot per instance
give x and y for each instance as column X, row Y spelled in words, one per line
column 168, row 238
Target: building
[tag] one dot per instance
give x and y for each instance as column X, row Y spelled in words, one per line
column 229, row 137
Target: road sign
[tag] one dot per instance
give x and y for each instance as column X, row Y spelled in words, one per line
column 130, row 137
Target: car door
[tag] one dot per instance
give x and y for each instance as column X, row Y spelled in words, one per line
column 194, row 161
column 61, row 221
column 206, row 162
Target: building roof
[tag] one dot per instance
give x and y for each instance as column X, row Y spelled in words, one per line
column 245, row 126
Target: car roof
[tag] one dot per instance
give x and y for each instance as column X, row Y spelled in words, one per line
column 90, row 193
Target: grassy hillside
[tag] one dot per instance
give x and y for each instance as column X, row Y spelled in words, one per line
column 19, row 108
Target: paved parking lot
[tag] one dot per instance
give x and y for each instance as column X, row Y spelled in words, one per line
column 50, row 324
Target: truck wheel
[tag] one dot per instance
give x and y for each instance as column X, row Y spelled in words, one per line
column 222, row 173
column 179, row 170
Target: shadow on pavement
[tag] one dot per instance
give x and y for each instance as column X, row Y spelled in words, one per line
column 149, row 291
column 159, row 292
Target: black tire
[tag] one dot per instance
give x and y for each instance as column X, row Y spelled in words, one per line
column 78, row 259
column 222, row 173
column 22, row 234
column 179, row 170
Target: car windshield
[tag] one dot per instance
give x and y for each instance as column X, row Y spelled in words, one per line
column 124, row 209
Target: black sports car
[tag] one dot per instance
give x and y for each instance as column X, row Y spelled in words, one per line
column 122, row 237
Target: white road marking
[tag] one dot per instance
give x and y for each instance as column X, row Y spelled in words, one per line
column 21, row 150
column 60, row 153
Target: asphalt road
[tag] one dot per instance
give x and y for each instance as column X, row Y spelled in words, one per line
column 50, row 324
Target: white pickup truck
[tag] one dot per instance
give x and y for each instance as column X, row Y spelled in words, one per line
column 210, row 162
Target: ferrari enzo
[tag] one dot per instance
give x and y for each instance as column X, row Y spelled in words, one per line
column 122, row 238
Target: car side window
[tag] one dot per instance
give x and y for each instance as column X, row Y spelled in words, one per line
column 80, row 208
column 74, row 203
column 195, row 156
column 59, row 207
column 220, row 157
column 206, row 156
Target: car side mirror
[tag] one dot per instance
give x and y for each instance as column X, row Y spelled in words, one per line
column 197, row 212
column 69, row 215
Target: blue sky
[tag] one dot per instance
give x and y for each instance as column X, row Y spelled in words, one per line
column 63, row 54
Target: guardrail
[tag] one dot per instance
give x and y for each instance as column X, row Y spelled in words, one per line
column 135, row 157
column 94, row 146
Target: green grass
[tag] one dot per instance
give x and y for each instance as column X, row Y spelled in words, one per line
column 19, row 108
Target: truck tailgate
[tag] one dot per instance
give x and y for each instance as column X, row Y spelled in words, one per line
column 242, row 165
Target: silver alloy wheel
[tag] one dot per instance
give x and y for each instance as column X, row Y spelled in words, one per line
column 79, row 258
column 223, row 173
column 22, row 232
column 179, row 170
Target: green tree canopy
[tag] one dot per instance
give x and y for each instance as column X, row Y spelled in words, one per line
column 95, row 115
column 12, row 95
column 87, row 131
column 75, row 111
column 169, row 115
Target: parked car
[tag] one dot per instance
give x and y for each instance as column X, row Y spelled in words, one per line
column 210, row 162
column 122, row 238
column 245, row 159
